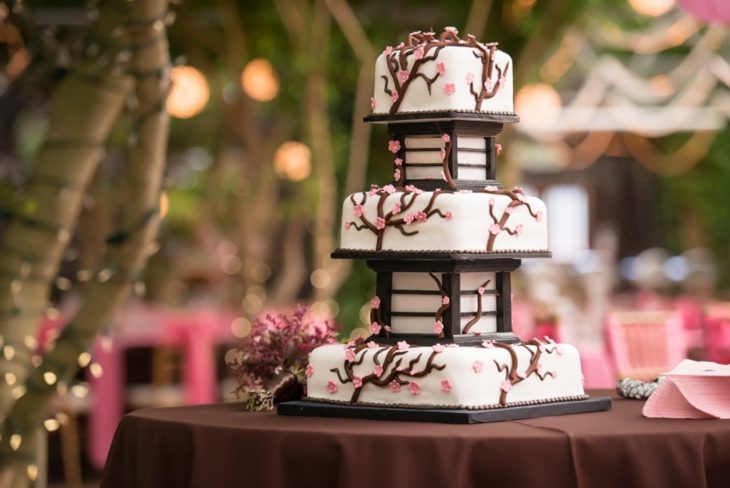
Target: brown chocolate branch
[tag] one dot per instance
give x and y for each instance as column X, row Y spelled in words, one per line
column 510, row 369
column 478, row 314
column 391, row 369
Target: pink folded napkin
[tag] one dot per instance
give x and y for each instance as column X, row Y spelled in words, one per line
column 692, row 390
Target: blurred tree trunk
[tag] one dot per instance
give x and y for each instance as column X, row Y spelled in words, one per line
column 127, row 48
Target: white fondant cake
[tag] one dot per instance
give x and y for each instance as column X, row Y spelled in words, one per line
column 489, row 221
column 432, row 73
column 439, row 376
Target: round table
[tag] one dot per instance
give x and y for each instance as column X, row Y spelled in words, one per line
column 221, row 446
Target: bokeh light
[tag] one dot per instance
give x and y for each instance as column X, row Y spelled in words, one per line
column 293, row 161
column 259, row 80
column 652, row 8
column 189, row 92
column 538, row 104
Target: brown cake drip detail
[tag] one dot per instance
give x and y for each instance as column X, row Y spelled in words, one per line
column 479, row 311
column 439, row 316
column 511, row 375
column 486, row 54
column 517, row 197
column 393, row 218
column 391, row 368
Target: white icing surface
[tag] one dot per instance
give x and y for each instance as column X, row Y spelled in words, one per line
column 467, row 230
column 459, row 61
column 468, row 387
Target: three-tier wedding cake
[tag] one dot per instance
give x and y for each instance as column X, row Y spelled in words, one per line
column 443, row 238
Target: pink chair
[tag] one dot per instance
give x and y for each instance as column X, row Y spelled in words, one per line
column 645, row 344
column 717, row 332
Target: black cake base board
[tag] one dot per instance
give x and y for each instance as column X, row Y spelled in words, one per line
column 304, row 408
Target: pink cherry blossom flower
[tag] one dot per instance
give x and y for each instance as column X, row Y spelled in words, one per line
column 494, row 229
column 394, row 145
column 400, row 45
column 451, row 30
column 373, row 190
column 549, row 340
column 538, row 216
column 375, row 302
column 413, row 372
column 492, row 202
column 414, row 388
column 438, row 348
column 449, row 89
column 394, row 96
column 350, row 343
column 498, row 148
column 488, row 344
column 445, row 300
column 491, row 188
column 350, row 354
column 372, row 103
column 441, row 68
column 398, row 161
column 520, row 196
column 448, row 215
column 331, row 387
column 375, row 328
column 372, row 345
column 452, row 346
column 396, row 208
column 481, row 290
column 409, row 218
column 554, row 374
column 394, row 386
column 418, row 53
column 387, row 328
column 438, row 327
column 348, row 225
column 521, row 375
column 540, row 369
column 357, row 382
column 501, row 81
column 470, row 77
column 477, row 366
column 446, row 138
column 412, row 188
column 489, row 84
column 518, row 229
column 402, row 76
column 518, row 189
column 378, row 370
column 359, row 210
column 389, row 189
column 446, row 385
column 559, row 350
column 387, row 50
column 402, row 345
column 380, row 223
column 309, row 371
column 505, row 386
column 421, row 216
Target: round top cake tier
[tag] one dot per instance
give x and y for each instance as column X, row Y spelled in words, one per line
column 442, row 76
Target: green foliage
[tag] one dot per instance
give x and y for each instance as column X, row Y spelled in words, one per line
column 702, row 194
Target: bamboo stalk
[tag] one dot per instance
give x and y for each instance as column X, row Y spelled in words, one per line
column 128, row 249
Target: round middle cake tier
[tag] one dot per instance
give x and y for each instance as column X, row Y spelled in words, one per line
column 487, row 221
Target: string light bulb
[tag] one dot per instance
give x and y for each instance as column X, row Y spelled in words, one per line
column 652, row 8
column 15, row 441
column 538, row 104
column 32, row 471
column 293, row 161
column 50, row 378
column 259, row 80
column 189, row 93
column 51, row 425
column 18, row 392
column 10, row 379
column 84, row 359
column 96, row 370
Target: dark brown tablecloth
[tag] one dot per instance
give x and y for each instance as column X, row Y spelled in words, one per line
column 222, row 446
